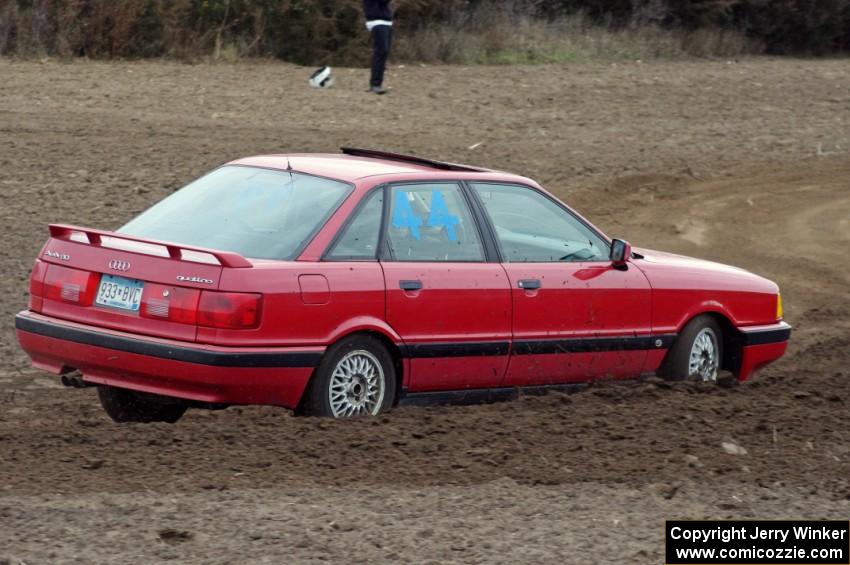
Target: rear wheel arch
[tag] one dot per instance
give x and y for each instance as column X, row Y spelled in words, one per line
column 393, row 350
column 385, row 340
column 380, row 330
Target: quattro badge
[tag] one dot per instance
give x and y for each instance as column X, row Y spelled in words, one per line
column 183, row 278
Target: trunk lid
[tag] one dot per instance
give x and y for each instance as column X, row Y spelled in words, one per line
column 147, row 279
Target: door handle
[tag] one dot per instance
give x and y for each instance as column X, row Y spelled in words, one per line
column 528, row 284
column 410, row 285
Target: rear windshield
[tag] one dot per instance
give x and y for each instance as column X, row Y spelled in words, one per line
column 255, row 212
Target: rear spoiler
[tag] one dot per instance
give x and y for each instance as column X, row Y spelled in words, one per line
column 175, row 251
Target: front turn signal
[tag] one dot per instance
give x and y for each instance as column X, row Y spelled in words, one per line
column 778, row 306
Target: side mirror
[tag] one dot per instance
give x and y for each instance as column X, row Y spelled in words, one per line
column 621, row 252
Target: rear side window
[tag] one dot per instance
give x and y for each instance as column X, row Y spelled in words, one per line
column 359, row 239
column 432, row 222
column 532, row 228
column 255, row 212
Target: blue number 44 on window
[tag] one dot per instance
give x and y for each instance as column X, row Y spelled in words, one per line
column 405, row 217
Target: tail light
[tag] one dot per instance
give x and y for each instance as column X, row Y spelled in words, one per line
column 69, row 285
column 229, row 310
column 37, row 286
column 172, row 303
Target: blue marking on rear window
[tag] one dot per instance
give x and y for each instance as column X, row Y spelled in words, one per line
column 440, row 216
column 404, row 216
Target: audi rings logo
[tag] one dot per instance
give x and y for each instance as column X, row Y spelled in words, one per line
column 119, row 265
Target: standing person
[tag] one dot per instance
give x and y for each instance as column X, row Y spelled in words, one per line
column 379, row 22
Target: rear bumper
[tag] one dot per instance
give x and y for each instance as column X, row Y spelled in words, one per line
column 192, row 371
column 761, row 345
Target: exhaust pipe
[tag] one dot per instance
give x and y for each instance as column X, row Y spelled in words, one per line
column 75, row 381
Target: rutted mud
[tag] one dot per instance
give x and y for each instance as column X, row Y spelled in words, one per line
column 742, row 162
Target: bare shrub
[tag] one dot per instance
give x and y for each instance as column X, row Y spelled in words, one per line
column 488, row 34
column 718, row 43
column 8, row 20
column 29, row 32
column 452, row 31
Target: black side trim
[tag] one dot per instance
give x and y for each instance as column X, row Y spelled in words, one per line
column 481, row 395
column 761, row 337
column 455, row 349
column 589, row 344
column 536, row 347
column 162, row 351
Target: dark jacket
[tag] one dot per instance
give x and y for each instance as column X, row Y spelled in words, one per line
column 377, row 10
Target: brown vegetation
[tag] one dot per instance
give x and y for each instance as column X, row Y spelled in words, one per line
column 489, row 35
column 472, row 31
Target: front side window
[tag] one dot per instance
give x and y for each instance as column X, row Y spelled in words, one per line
column 359, row 239
column 531, row 228
column 258, row 213
column 431, row 222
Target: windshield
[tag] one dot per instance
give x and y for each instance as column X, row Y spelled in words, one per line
column 255, row 212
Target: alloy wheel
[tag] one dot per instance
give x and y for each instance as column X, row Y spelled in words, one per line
column 357, row 385
column 704, row 359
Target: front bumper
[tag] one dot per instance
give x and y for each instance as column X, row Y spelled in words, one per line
column 204, row 373
column 761, row 345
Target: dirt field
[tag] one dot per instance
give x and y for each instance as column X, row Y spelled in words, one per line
column 743, row 162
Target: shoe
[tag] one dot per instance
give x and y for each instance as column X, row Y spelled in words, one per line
column 377, row 90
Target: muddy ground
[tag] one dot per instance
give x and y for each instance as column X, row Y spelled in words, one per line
column 745, row 162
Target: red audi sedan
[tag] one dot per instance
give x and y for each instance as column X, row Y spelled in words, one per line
column 344, row 284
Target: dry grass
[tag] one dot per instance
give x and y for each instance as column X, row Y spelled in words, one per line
column 488, row 36
column 494, row 32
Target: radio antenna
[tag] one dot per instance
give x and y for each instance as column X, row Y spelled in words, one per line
column 291, row 176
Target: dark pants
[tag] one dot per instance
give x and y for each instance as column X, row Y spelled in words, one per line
column 382, row 38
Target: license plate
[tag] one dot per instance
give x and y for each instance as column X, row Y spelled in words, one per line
column 118, row 292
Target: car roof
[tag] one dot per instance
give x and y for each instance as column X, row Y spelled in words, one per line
column 353, row 167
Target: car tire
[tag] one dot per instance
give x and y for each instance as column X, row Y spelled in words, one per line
column 697, row 353
column 123, row 405
column 356, row 377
